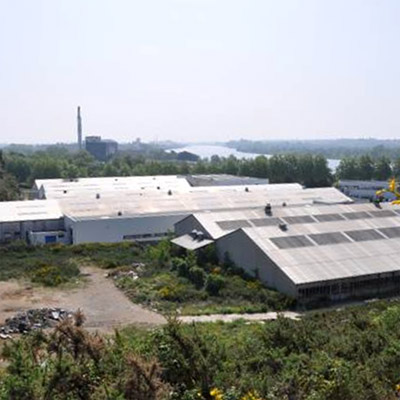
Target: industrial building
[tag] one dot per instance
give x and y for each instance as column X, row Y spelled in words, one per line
column 310, row 252
column 146, row 208
column 36, row 221
column 91, row 187
column 99, row 148
column 364, row 189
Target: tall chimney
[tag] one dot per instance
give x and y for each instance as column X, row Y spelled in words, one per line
column 79, row 129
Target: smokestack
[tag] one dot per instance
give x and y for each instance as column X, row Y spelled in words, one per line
column 79, row 129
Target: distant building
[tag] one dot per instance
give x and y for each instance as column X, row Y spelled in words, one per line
column 100, row 149
column 364, row 189
column 187, row 156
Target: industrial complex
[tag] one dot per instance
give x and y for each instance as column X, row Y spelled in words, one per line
column 308, row 243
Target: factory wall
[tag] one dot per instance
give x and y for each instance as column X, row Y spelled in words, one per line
column 247, row 255
column 113, row 230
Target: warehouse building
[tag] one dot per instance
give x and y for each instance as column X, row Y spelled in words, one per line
column 365, row 189
column 150, row 216
column 310, row 252
column 146, row 208
column 37, row 222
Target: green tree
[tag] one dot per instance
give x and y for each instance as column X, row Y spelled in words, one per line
column 383, row 169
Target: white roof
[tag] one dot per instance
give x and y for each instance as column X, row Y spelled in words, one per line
column 195, row 200
column 88, row 187
column 30, row 210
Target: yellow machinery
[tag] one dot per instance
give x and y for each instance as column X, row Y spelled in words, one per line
column 391, row 189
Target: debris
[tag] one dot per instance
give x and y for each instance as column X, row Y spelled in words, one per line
column 4, row 336
column 33, row 319
column 123, row 274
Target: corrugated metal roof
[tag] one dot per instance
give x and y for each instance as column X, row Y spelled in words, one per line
column 340, row 248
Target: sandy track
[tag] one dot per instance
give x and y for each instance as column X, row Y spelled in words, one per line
column 233, row 317
column 103, row 304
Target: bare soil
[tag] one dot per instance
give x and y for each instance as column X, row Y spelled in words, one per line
column 103, row 304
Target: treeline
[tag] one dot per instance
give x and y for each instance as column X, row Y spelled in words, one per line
column 310, row 170
column 367, row 168
column 334, row 149
column 8, row 184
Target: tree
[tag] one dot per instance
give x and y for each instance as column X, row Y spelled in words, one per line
column 365, row 168
column 383, row 169
column 348, row 168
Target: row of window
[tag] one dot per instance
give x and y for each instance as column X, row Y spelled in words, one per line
column 144, row 236
column 350, row 287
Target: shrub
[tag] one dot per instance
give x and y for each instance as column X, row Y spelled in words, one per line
column 181, row 267
column 214, row 284
column 53, row 275
column 197, row 276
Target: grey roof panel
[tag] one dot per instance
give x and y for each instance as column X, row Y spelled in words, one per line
column 232, row 225
column 266, row 221
column 299, row 219
column 392, row 232
column 329, row 217
column 290, row 242
column 383, row 213
column 357, row 215
column 364, row 235
column 329, row 238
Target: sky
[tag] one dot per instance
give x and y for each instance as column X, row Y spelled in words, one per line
column 199, row 70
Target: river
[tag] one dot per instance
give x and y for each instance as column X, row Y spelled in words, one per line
column 206, row 151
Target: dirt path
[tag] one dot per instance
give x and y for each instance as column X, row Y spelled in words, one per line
column 233, row 317
column 103, row 304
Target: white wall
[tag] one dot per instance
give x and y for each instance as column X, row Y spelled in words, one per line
column 112, row 230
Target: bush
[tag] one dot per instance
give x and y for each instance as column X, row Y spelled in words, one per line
column 52, row 275
column 181, row 267
column 214, row 284
column 197, row 276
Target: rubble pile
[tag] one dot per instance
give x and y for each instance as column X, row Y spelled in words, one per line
column 26, row 321
column 133, row 272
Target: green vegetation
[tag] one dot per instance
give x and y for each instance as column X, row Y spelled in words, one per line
column 330, row 148
column 351, row 354
column 367, row 168
column 8, row 184
column 197, row 284
column 310, row 170
column 57, row 264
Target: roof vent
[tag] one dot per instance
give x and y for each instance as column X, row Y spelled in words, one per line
column 65, row 192
column 200, row 236
column 246, row 189
column 268, row 209
column 283, row 227
column 97, row 195
column 284, row 204
column 169, row 192
column 158, row 187
column 119, row 213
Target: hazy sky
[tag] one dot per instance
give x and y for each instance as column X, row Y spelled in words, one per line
column 199, row 69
